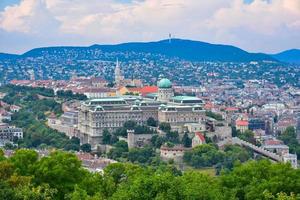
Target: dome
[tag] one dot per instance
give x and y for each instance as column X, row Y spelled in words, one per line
column 164, row 83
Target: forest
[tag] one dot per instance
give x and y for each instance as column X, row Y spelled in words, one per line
column 61, row 176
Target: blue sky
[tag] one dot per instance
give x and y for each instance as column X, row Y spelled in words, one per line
column 4, row 3
column 254, row 25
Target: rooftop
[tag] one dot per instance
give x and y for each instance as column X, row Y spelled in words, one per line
column 164, row 83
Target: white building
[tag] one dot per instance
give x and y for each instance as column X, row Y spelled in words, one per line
column 8, row 133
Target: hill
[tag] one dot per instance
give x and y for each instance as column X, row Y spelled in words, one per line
column 289, row 56
column 183, row 49
column 8, row 56
column 189, row 50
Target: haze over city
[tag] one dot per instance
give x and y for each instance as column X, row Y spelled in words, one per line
column 268, row 26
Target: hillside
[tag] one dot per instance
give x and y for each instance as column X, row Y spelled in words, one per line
column 289, row 56
column 183, row 49
column 8, row 56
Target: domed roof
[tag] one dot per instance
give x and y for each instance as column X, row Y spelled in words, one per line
column 164, row 83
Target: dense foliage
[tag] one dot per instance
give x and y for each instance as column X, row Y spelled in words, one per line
column 36, row 104
column 289, row 137
column 60, row 176
column 213, row 115
column 208, row 155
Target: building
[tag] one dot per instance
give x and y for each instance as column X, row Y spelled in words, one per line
column 138, row 140
column 195, row 127
column 111, row 113
column 15, row 108
column 118, row 74
column 8, row 133
column 291, row 158
column 4, row 115
column 241, row 125
column 180, row 115
column 279, row 149
column 92, row 93
column 165, row 90
column 175, row 153
column 69, row 118
column 257, row 123
column 198, row 139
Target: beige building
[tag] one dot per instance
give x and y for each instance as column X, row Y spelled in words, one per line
column 175, row 153
column 111, row 113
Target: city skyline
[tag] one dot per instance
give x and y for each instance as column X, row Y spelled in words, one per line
column 253, row 25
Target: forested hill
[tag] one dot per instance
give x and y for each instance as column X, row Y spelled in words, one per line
column 183, row 49
column 8, row 56
column 189, row 50
column 289, row 56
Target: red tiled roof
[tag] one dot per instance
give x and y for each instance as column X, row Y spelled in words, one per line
column 15, row 82
column 148, row 89
column 208, row 105
column 200, row 136
column 232, row 109
column 273, row 142
column 242, row 123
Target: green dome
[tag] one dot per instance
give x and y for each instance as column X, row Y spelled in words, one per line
column 164, row 83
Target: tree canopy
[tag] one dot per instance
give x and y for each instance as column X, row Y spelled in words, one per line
column 60, row 176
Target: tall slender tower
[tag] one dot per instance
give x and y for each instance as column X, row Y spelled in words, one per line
column 118, row 74
column 170, row 38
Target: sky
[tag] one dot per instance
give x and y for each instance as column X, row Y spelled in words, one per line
column 268, row 26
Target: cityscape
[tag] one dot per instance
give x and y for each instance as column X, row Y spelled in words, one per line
column 155, row 119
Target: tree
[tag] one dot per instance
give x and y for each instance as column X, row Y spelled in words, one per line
column 129, row 124
column 120, row 150
column 24, row 161
column 86, row 147
column 215, row 116
column 166, row 127
column 251, row 180
column 141, row 155
column 9, row 146
column 151, row 122
column 61, row 170
column 186, row 141
column 35, row 193
column 234, row 154
column 106, row 138
column 157, row 141
column 289, row 137
column 172, row 136
column 248, row 136
column 6, row 170
column 200, row 186
column 205, row 155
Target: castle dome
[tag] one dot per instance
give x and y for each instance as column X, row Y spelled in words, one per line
column 164, row 83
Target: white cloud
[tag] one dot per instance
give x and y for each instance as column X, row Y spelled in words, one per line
column 259, row 26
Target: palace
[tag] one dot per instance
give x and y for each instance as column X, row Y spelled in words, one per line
column 111, row 113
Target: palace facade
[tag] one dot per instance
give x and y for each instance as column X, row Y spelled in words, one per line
column 111, row 113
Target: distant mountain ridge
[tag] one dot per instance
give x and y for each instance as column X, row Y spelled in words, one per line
column 289, row 56
column 8, row 56
column 189, row 50
column 183, row 49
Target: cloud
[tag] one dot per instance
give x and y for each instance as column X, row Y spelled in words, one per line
column 257, row 25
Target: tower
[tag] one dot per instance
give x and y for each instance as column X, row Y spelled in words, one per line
column 31, row 75
column 170, row 38
column 165, row 90
column 118, row 74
